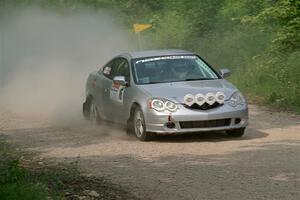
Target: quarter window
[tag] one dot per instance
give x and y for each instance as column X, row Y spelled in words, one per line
column 107, row 69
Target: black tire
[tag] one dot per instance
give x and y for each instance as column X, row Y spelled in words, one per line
column 86, row 109
column 236, row 132
column 138, row 125
column 90, row 111
column 129, row 127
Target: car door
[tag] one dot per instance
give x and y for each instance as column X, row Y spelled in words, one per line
column 118, row 93
column 107, row 73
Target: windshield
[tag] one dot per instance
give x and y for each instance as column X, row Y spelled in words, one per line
column 171, row 69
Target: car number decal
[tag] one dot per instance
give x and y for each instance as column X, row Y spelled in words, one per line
column 117, row 93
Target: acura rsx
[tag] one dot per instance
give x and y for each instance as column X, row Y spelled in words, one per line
column 165, row 92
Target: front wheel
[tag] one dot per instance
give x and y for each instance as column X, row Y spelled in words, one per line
column 236, row 132
column 139, row 126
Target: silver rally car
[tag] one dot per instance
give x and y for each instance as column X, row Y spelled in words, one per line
column 165, row 92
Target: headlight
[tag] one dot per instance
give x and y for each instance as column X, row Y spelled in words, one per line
column 157, row 104
column 236, row 99
column 170, row 106
column 162, row 104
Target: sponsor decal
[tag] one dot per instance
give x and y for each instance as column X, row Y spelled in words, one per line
column 107, row 70
column 165, row 58
column 117, row 93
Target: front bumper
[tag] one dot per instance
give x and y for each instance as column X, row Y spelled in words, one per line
column 236, row 117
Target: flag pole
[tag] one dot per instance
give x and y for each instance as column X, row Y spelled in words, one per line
column 139, row 40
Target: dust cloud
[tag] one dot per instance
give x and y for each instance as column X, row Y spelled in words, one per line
column 45, row 58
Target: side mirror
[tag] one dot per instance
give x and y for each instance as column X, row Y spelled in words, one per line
column 120, row 80
column 225, row 73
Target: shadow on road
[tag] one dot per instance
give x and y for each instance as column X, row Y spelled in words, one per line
column 88, row 135
column 209, row 137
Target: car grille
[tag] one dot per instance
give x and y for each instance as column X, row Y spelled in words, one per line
column 205, row 124
column 205, row 106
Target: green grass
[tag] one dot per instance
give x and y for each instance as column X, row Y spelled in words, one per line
column 15, row 182
column 18, row 182
column 22, row 191
column 50, row 180
column 276, row 85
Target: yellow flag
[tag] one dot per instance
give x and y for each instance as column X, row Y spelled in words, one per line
column 140, row 27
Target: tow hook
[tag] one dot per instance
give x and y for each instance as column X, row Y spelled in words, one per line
column 170, row 123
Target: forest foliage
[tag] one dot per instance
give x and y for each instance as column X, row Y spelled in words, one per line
column 259, row 40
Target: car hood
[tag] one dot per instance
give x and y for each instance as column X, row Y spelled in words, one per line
column 176, row 91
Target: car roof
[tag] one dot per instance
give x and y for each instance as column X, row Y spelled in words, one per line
column 154, row 53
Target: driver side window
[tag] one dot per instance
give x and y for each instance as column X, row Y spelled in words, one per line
column 123, row 69
column 117, row 67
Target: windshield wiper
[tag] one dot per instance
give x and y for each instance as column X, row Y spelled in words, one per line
column 197, row 79
column 154, row 82
column 188, row 79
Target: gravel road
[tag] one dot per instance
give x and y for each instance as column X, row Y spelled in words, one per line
column 264, row 164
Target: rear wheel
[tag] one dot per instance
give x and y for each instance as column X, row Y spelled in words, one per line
column 236, row 132
column 139, row 126
column 90, row 111
column 94, row 114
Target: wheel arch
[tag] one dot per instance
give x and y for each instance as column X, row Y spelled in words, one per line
column 86, row 106
column 132, row 108
column 89, row 97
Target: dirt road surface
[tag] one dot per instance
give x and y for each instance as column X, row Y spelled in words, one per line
column 264, row 164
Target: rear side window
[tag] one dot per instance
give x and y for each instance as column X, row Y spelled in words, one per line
column 107, row 69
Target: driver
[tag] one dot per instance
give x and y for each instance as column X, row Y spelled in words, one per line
column 175, row 69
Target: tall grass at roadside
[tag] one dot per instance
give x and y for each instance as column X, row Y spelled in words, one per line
column 257, row 39
column 275, row 83
column 19, row 188
column 14, row 181
column 32, row 182
column 23, row 177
